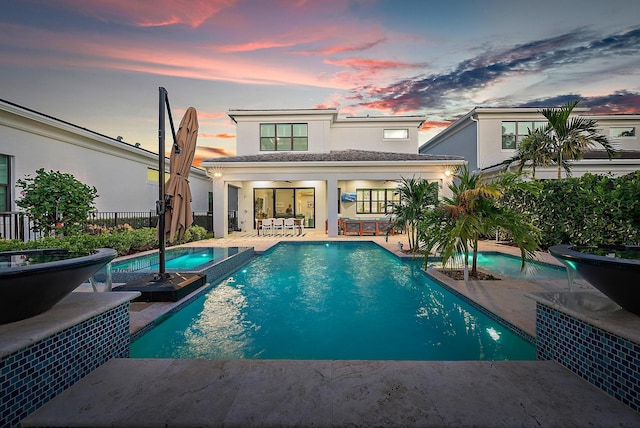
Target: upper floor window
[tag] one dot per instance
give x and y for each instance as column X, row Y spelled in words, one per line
column 514, row 132
column 395, row 134
column 622, row 131
column 5, row 193
column 375, row 201
column 284, row 137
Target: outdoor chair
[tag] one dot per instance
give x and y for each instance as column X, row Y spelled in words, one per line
column 290, row 224
column 267, row 224
column 278, row 224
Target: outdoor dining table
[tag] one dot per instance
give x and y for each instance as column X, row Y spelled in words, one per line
column 297, row 221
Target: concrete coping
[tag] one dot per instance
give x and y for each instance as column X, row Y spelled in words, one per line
column 74, row 309
column 595, row 309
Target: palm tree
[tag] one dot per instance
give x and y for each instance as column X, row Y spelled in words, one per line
column 455, row 226
column 564, row 139
column 533, row 151
column 415, row 196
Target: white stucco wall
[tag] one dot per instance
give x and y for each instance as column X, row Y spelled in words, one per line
column 327, row 132
column 605, row 123
column 248, row 129
column 369, row 135
column 117, row 170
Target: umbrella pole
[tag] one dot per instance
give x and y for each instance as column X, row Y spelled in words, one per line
column 160, row 203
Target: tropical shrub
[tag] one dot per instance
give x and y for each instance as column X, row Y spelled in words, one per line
column 416, row 197
column 56, row 201
column 589, row 210
column 123, row 241
column 454, row 227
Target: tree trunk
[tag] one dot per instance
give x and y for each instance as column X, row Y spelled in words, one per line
column 474, row 265
column 466, row 265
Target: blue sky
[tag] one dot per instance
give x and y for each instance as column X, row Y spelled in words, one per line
column 99, row 63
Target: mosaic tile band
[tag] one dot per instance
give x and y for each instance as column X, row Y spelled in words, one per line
column 37, row 373
column 603, row 359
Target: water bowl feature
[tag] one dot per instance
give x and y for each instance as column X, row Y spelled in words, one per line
column 32, row 281
column 612, row 269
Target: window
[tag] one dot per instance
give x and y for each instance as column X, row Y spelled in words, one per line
column 285, row 202
column 152, row 175
column 622, row 131
column 395, row 134
column 283, row 137
column 514, row 132
column 5, row 193
column 375, row 201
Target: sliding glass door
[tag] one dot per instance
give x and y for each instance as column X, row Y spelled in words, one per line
column 285, row 202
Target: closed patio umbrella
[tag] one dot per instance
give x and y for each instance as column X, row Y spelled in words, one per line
column 179, row 216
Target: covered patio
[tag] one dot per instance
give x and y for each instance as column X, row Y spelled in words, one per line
column 318, row 188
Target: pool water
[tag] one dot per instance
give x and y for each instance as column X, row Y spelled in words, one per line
column 509, row 266
column 343, row 300
column 185, row 258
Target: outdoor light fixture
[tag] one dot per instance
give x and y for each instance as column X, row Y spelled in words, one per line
column 216, row 172
column 447, row 173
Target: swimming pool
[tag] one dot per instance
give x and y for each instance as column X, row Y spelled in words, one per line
column 339, row 300
column 508, row 266
column 185, row 258
column 214, row 262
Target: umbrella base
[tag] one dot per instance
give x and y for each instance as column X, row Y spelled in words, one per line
column 167, row 288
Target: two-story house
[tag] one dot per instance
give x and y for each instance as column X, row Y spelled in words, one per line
column 314, row 165
column 486, row 137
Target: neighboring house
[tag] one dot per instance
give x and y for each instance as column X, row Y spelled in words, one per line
column 486, row 137
column 126, row 176
column 314, row 165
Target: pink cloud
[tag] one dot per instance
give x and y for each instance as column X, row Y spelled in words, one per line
column 393, row 105
column 254, row 46
column 104, row 52
column 354, row 47
column 435, row 124
column 209, row 152
column 203, row 115
column 223, row 135
column 360, row 63
column 155, row 13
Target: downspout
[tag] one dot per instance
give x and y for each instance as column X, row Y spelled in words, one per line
column 477, row 139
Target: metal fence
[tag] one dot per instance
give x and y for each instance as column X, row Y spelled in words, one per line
column 18, row 225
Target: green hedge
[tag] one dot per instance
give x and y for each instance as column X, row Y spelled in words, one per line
column 124, row 241
column 589, row 210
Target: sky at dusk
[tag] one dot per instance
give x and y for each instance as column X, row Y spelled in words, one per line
column 98, row 63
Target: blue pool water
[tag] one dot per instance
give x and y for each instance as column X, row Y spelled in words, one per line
column 342, row 300
column 508, row 266
column 184, row 258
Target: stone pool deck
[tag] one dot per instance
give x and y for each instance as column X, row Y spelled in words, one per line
column 182, row 393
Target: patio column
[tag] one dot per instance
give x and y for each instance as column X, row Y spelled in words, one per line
column 332, row 206
column 220, row 208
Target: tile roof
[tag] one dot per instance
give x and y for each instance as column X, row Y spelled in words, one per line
column 621, row 154
column 334, row 156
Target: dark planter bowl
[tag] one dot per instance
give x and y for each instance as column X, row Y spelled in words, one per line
column 31, row 289
column 617, row 278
